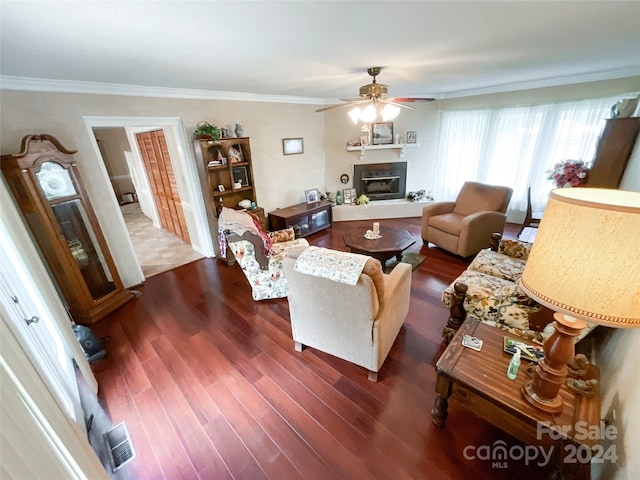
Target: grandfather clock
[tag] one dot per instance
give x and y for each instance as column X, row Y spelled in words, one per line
column 45, row 183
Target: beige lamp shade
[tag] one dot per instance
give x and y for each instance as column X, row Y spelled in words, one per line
column 585, row 261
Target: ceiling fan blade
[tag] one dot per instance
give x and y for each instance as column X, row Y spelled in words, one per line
column 330, row 107
column 412, row 99
column 349, row 104
column 391, row 102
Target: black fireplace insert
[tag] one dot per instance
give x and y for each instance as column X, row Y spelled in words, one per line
column 381, row 181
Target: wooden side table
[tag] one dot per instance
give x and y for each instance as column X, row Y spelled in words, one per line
column 478, row 381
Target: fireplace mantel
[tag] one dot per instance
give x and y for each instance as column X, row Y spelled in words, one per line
column 363, row 148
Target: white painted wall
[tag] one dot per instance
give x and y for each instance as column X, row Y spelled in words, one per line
column 618, row 362
column 113, row 143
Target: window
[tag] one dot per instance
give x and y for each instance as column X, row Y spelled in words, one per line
column 514, row 146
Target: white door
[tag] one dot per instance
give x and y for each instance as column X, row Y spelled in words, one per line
column 30, row 322
column 40, row 408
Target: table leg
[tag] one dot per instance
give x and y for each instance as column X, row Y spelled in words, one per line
column 441, row 403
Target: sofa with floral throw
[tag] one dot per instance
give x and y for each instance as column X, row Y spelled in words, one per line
column 258, row 253
column 488, row 291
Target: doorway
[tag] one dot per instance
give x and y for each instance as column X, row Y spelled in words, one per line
column 141, row 173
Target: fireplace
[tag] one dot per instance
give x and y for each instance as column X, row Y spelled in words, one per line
column 381, row 181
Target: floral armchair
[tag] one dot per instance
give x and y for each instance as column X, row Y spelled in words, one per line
column 488, row 291
column 258, row 253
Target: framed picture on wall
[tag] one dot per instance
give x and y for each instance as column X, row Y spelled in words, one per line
column 382, row 133
column 292, row 146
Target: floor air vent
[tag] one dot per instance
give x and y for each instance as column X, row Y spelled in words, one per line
column 119, row 446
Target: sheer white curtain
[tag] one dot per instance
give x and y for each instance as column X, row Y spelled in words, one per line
column 514, row 146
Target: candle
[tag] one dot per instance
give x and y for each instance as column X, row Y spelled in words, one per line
column 376, row 228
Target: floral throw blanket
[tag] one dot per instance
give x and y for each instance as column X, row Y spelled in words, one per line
column 340, row 267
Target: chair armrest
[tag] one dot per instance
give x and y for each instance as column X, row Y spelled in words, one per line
column 397, row 291
column 476, row 231
column 495, row 240
column 393, row 309
column 480, row 218
column 433, row 209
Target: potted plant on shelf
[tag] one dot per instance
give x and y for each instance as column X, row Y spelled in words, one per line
column 206, row 131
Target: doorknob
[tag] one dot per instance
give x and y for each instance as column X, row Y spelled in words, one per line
column 31, row 320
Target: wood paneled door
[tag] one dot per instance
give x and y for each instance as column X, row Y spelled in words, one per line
column 157, row 162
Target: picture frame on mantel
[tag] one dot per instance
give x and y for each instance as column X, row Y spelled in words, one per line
column 348, row 195
column 412, row 137
column 292, row 146
column 382, row 133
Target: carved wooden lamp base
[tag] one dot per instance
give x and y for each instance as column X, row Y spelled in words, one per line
column 551, row 372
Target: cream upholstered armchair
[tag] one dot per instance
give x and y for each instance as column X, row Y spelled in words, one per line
column 356, row 322
column 258, row 253
column 464, row 227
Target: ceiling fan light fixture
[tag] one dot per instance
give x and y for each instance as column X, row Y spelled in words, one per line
column 354, row 114
column 369, row 113
column 389, row 112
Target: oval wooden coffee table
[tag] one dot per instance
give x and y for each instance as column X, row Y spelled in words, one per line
column 391, row 244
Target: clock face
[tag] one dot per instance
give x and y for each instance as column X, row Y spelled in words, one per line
column 55, row 181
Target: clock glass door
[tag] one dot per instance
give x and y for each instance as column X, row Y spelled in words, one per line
column 81, row 239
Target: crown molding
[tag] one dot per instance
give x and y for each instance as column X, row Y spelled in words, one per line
column 68, row 86
column 551, row 82
column 8, row 82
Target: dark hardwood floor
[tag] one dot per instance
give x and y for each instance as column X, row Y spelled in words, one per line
column 210, row 385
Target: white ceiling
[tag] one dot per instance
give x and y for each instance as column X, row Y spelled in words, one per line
column 321, row 49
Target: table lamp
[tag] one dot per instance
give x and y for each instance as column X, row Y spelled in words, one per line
column 584, row 265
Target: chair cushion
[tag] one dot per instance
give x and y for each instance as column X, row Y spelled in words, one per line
column 449, row 223
column 499, row 265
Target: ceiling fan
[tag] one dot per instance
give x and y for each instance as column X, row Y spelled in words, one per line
column 374, row 102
